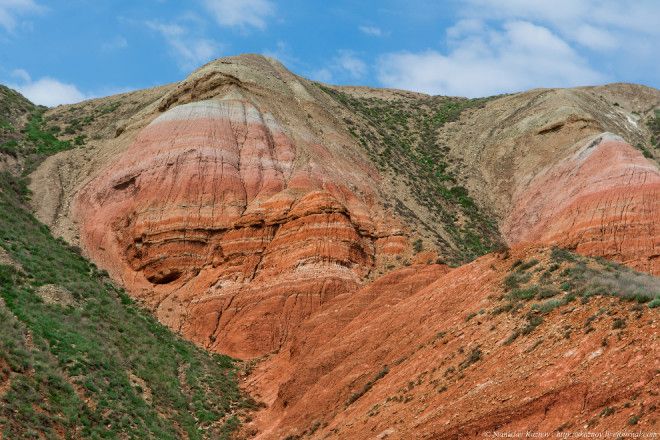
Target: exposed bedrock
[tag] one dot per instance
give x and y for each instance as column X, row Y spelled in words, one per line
column 603, row 200
column 230, row 231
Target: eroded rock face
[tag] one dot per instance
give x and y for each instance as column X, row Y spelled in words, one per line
column 229, row 230
column 421, row 353
column 604, row 200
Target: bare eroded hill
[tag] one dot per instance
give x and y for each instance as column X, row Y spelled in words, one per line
column 317, row 228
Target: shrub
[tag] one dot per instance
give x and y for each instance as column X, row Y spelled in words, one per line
column 474, row 356
column 527, row 293
column 528, row 264
column 515, row 279
column 512, row 337
column 548, row 306
column 608, row 411
column 547, row 292
column 559, row 255
column 618, row 324
column 533, row 321
column 368, row 385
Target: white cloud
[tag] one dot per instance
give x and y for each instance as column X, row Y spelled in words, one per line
column 49, row 91
column 241, row 13
column 600, row 25
column 499, row 46
column 484, row 61
column 10, row 9
column 372, row 31
column 345, row 64
column 594, row 38
column 322, row 75
column 347, row 61
column 190, row 52
column 52, row 92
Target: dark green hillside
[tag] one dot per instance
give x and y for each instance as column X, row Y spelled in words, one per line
column 14, row 113
column 79, row 358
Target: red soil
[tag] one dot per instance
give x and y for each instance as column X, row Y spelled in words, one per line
column 417, row 322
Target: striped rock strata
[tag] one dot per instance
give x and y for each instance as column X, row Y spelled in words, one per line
column 230, row 231
column 604, row 200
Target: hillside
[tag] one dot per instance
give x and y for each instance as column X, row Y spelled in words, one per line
column 387, row 264
column 78, row 358
column 538, row 339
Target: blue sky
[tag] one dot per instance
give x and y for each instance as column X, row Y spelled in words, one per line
column 68, row 50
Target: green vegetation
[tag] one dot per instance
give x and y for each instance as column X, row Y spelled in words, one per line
column 565, row 277
column 367, row 386
column 608, row 411
column 618, row 323
column 654, row 127
column 77, row 124
column 473, row 357
column 645, row 151
column 36, row 141
column 100, row 367
column 418, row 246
column 14, row 109
column 402, row 137
column 81, row 115
column 43, row 141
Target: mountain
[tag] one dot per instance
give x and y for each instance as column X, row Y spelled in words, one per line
column 391, row 264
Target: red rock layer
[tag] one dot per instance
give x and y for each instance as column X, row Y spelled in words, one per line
column 602, row 201
column 424, row 323
column 231, row 232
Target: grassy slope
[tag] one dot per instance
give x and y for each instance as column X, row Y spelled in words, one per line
column 536, row 287
column 91, row 364
column 401, row 137
column 69, row 364
column 13, row 109
column 24, row 134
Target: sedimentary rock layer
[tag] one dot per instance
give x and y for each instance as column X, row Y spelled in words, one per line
column 231, row 232
column 604, row 200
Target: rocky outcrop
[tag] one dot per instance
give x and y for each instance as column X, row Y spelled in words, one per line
column 230, row 231
column 603, row 200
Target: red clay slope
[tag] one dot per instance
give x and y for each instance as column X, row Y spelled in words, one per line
column 228, row 230
column 381, row 364
column 604, row 200
column 424, row 323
